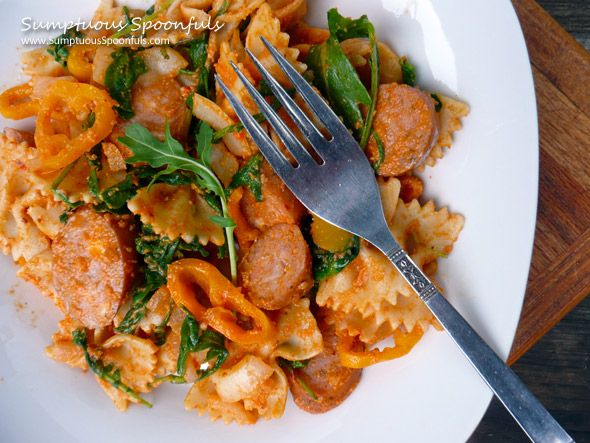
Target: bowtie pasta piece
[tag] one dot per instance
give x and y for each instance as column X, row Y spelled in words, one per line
column 177, row 211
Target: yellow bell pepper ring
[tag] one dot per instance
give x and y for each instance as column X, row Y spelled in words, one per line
column 57, row 149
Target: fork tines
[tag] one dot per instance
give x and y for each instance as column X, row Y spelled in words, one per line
column 274, row 156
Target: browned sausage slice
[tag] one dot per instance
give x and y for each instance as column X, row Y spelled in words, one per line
column 155, row 105
column 279, row 205
column 276, row 270
column 406, row 123
column 94, row 265
column 324, row 376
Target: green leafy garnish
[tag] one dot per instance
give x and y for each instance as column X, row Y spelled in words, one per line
column 192, row 339
column 60, row 194
column 344, row 29
column 64, row 216
column 120, row 77
column 296, row 364
column 249, row 176
column 89, row 123
column 60, row 51
column 145, row 174
column 408, row 72
column 108, row 373
column 128, row 21
column 157, row 252
column 438, row 105
column 170, row 153
column 335, row 76
column 338, row 82
column 381, row 150
column 113, row 199
column 160, row 330
column 148, row 17
column 224, row 8
column 326, row 264
column 224, row 222
column 196, row 51
column 170, row 378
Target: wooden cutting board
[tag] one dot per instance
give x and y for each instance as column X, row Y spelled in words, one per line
column 560, row 270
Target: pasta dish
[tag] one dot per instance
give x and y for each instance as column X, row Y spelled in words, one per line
column 143, row 209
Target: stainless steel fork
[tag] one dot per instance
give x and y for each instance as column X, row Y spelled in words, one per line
column 342, row 190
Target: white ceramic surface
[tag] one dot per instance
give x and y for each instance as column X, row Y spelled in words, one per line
column 473, row 50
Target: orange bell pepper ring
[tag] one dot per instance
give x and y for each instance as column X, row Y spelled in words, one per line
column 225, row 300
column 78, row 63
column 57, row 150
column 404, row 342
column 245, row 233
column 16, row 103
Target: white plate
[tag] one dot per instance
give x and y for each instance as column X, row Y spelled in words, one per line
column 471, row 49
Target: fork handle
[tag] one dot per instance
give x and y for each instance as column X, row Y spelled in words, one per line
column 532, row 417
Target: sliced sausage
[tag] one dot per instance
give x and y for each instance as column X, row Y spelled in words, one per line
column 276, row 270
column 279, row 205
column 155, row 104
column 94, row 265
column 324, row 376
column 405, row 121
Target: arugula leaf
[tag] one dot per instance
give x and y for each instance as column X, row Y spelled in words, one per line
column 249, row 176
column 438, row 105
column 158, row 252
column 326, row 264
column 346, row 28
column 189, row 338
column 170, row 153
column 120, row 77
column 198, row 68
column 381, row 150
column 89, row 123
column 408, row 72
column 171, row 378
column 204, row 146
column 223, row 9
column 338, row 82
column 193, row 340
column 95, row 163
column 60, row 194
column 145, row 174
column 215, row 343
column 64, row 216
column 113, row 199
column 108, row 372
column 148, row 17
column 296, row 364
column 149, row 11
column 116, row 197
column 224, row 222
column 128, row 21
column 60, row 51
column 160, row 330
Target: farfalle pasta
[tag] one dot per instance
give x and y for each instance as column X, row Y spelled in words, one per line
column 144, row 210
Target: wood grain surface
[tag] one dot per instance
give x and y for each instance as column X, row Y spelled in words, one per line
column 560, row 270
